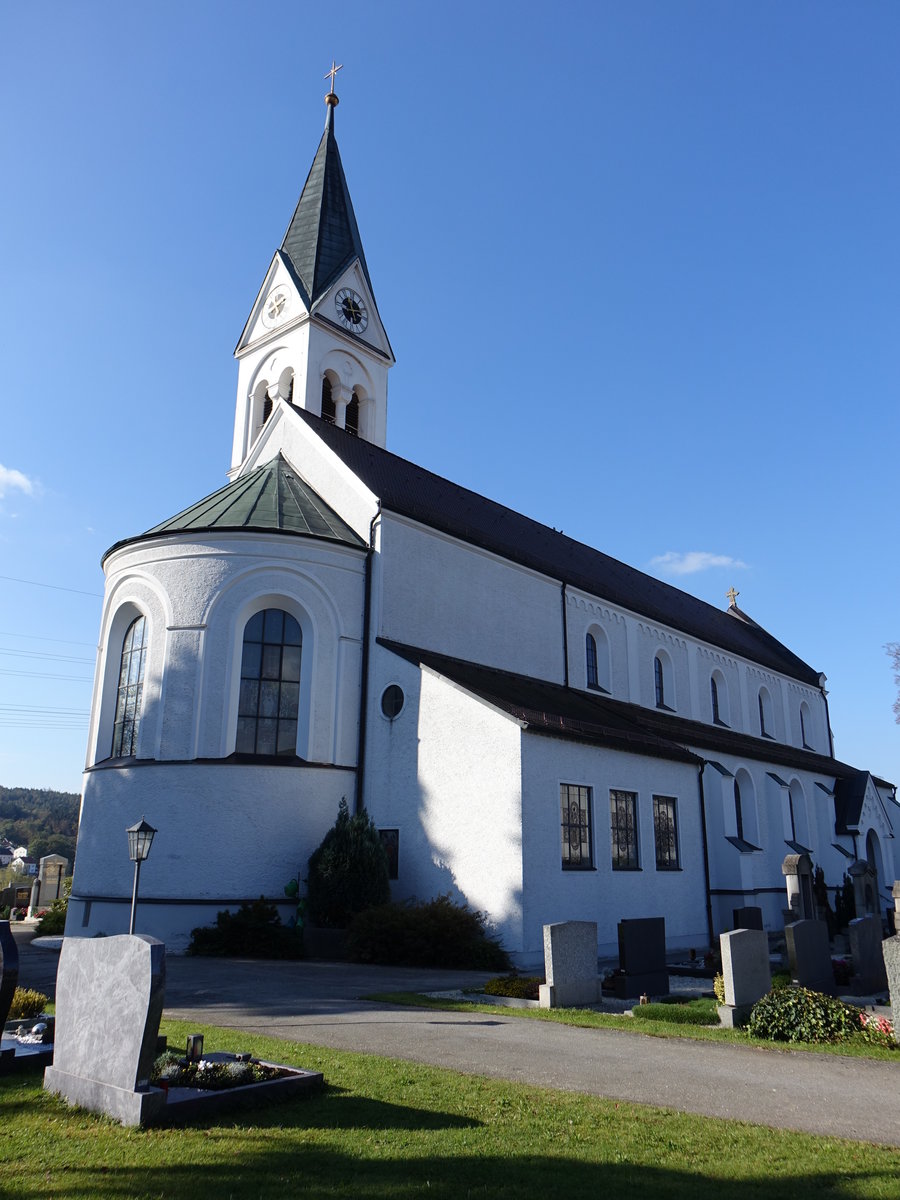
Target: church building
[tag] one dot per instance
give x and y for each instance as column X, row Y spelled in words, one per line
column 536, row 728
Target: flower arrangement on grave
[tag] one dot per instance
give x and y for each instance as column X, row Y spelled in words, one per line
column 171, row 1070
column 876, row 1030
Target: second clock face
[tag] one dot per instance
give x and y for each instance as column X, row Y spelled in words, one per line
column 351, row 310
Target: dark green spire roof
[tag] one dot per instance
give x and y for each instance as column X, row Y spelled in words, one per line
column 322, row 238
column 271, row 499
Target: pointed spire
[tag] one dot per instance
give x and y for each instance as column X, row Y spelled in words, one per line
column 323, row 239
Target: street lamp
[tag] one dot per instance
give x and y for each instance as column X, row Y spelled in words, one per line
column 140, row 839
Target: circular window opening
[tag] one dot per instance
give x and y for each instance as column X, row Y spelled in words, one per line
column 392, row 701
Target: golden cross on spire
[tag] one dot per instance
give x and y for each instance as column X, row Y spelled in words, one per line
column 334, row 70
column 732, row 596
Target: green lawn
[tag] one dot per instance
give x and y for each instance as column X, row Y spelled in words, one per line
column 383, row 1128
column 588, row 1019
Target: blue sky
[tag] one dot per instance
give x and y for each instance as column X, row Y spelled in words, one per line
column 639, row 264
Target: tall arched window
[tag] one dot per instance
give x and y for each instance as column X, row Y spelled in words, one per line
column 590, row 650
column 328, row 410
column 659, row 682
column 738, row 811
column 351, row 417
column 131, row 690
column 270, row 685
column 714, row 699
column 766, row 715
column 267, row 408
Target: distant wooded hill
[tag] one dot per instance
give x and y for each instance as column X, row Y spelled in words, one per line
column 44, row 821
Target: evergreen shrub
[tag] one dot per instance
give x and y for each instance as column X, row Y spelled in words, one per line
column 254, row 931
column 519, row 987
column 432, row 933
column 26, row 1003
column 53, row 920
column 348, row 872
column 799, row 1015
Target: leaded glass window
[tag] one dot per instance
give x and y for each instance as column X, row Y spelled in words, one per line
column 738, row 811
column 130, row 694
column 659, row 680
column 762, row 715
column 590, row 648
column 575, row 804
column 623, row 829
column 714, row 697
column 269, row 700
column 665, row 833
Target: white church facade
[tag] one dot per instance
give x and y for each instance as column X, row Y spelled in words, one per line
column 538, row 729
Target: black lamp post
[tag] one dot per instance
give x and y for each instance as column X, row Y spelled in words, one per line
column 140, row 839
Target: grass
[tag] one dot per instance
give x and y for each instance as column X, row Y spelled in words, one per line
column 586, row 1018
column 385, row 1128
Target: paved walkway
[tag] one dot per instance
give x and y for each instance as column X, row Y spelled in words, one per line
column 319, row 1003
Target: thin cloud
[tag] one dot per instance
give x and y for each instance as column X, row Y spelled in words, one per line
column 689, row 563
column 11, row 479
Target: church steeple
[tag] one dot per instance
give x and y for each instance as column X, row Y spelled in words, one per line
column 314, row 337
column 323, row 239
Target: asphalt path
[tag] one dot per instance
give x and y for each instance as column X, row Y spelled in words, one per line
column 320, row 1003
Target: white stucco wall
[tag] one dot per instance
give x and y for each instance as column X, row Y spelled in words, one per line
column 227, row 833
column 602, row 894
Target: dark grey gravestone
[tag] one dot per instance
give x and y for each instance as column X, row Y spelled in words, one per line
column 748, row 917
column 865, row 950
column 109, row 999
column 809, row 955
column 9, row 978
column 890, row 952
column 642, row 958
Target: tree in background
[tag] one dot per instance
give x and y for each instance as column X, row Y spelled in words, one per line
column 893, row 650
column 348, row 872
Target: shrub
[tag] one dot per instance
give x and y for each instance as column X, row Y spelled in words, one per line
column 434, row 933
column 719, row 988
column 781, row 979
column 697, row 1012
column 26, row 1003
column 520, row 987
column 254, row 931
column 53, row 919
column 348, row 872
column 799, row 1015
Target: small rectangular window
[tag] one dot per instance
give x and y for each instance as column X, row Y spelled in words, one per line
column 665, row 832
column 575, row 804
column 623, row 827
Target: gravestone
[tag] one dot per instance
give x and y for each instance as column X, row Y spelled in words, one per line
column 865, row 887
column 109, row 999
column 890, row 952
column 746, row 971
column 9, row 978
column 809, row 955
column 797, row 872
column 865, row 950
column 642, row 958
column 570, row 964
column 748, row 917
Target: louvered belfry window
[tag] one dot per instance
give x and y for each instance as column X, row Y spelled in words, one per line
column 130, row 694
column 270, row 685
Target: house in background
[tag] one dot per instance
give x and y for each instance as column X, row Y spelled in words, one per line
column 539, row 729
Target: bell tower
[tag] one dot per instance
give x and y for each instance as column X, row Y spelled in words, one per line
column 314, row 337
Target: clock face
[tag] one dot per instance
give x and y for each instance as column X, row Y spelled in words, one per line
column 351, row 310
column 276, row 307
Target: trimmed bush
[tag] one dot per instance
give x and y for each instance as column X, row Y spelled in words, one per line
column 434, row 933
column 348, row 872
column 53, row 921
column 799, row 1015
column 696, row 1012
column 519, row 987
column 254, row 931
column 26, row 1003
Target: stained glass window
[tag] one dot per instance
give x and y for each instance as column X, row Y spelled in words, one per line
column 269, row 700
column 623, row 829
column 665, row 832
column 590, row 646
column 575, row 803
column 130, row 694
column 659, row 680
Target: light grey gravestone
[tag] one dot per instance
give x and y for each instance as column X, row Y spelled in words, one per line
column 865, row 950
column 570, row 965
column 890, row 952
column 642, row 958
column 748, row 917
column 746, row 972
column 797, row 872
column 9, row 978
column 809, row 955
column 109, row 999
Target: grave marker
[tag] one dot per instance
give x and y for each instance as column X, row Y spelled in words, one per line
column 809, row 955
column 570, row 965
column 746, row 972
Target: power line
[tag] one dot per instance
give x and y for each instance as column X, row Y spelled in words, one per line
column 36, row 637
column 55, row 586
column 44, row 655
column 46, row 675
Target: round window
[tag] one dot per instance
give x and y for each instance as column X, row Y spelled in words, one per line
column 392, row 701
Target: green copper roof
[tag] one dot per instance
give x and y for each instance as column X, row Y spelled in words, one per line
column 322, row 239
column 271, row 499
